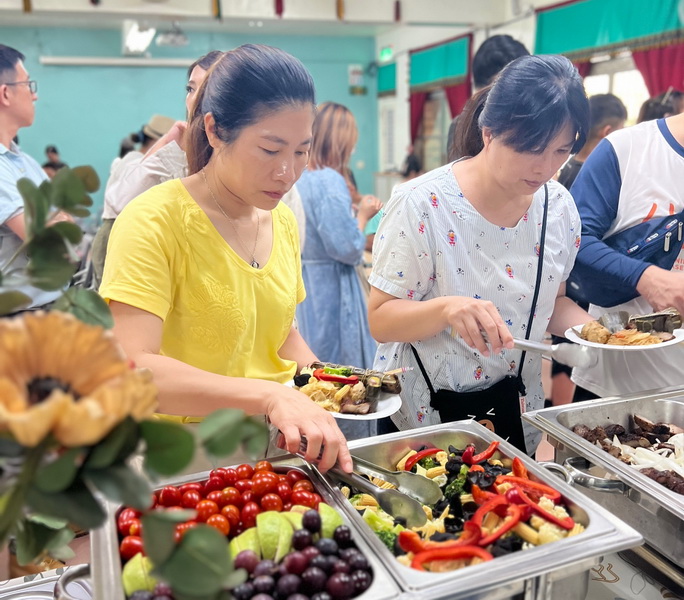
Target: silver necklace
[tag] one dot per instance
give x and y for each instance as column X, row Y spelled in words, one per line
column 254, row 263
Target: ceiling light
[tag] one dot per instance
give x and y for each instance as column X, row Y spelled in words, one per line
column 136, row 37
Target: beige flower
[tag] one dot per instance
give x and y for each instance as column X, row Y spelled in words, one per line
column 60, row 375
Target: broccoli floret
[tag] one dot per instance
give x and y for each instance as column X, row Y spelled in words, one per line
column 428, row 463
column 456, row 486
column 387, row 537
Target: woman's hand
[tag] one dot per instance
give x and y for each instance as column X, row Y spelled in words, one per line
column 469, row 318
column 296, row 415
column 369, row 207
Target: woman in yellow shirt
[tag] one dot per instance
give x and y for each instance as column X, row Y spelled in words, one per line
column 203, row 274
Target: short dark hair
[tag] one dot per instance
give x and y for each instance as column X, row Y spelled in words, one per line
column 493, row 55
column 658, row 107
column 205, row 62
column 528, row 104
column 605, row 109
column 243, row 86
column 9, row 57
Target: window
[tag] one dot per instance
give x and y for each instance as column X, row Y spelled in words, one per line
column 432, row 138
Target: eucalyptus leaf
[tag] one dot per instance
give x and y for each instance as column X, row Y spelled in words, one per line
column 159, row 527
column 33, row 539
column 57, row 475
column 48, row 521
column 88, row 177
column 70, row 231
column 10, row 448
column 62, row 553
column 12, row 301
column 116, row 447
column 87, row 306
column 61, row 538
column 219, row 433
column 49, row 267
column 200, row 564
column 75, row 504
column 254, row 438
column 169, row 447
column 67, row 191
column 36, row 205
column 122, row 485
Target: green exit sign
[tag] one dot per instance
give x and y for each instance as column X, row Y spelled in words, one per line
column 386, row 53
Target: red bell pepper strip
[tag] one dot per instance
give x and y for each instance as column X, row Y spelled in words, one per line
column 564, row 522
column 476, row 468
column 419, row 456
column 451, row 553
column 321, row 375
column 488, row 506
column 514, row 514
column 481, row 496
column 531, row 487
column 519, row 469
column 410, row 541
column 470, row 458
column 467, row 456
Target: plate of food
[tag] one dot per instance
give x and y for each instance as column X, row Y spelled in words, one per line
column 350, row 392
column 597, row 336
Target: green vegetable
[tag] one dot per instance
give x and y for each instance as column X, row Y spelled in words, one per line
column 343, row 371
column 428, row 463
column 378, row 521
column 355, row 499
column 456, row 486
column 388, row 538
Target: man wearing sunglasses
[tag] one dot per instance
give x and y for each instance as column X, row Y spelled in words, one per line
column 18, row 94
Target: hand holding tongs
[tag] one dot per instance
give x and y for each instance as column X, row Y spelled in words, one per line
column 572, row 355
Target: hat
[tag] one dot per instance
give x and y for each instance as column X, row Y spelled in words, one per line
column 157, row 126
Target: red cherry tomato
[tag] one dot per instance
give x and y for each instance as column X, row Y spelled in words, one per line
column 249, row 513
column 232, row 513
column 245, row 471
column 230, row 476
column 272, row 502
column 231, row 495
column 205, row 509
column 282, row 478
column 264, row 485
column 217, row 496
column 303, row 498
column 263, row 465
column 130, row 546
column 248, row 496
column 169, row 496
column 242, row 485
column 303, row 485
column 194, row 485
column 317, row 500
column 213, row 484
column 293, row 476
column 284, row 491
column 220, row 473
column 123, row 521
column 182, row 529
column 287, row 507
column 219, row 522
column 135, row 527
column 190, row 499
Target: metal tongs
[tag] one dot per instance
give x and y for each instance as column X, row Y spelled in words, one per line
column 666, row 320
column 572, row 355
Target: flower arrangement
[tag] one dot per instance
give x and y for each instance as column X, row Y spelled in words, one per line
column 74, row 411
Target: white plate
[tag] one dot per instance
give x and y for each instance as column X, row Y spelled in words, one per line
column 388, row 404
column 573, row 335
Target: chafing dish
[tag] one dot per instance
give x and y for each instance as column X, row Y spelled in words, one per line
column 106, row 564
column 652, row 509
column 557, row 570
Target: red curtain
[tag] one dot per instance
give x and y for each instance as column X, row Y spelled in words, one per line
column 661, row 67
column 583, row 68
column 418, row 100
column 457, row 96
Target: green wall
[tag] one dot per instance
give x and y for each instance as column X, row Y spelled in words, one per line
column 86, row 111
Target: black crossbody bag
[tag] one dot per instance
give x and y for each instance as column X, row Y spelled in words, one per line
column 498, row 406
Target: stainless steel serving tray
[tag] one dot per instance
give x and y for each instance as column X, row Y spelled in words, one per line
column 652, row 509
column 106, row 564
column 557, row 570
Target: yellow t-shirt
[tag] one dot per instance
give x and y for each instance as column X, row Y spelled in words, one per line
column 220, row 314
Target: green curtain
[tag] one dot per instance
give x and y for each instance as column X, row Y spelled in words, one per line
column 439, row 65
column 387, row 79
column 581, row 28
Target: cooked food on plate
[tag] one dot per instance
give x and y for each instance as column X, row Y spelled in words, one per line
column 595, row 332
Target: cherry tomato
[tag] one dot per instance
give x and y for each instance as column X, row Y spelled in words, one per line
column 123, row 521
column 282, row 478
column 219, row 522
column 218, row 497
column 194, row 485
column 264, row 485
column 303, row 485
column 230, row 476
column 303, row 498
column 317, row 500
column 182, row 529
column 284, row 491
column 213, row 484
column 263, row 465
column 130, row 546
column 245, row 471
column 287, row 507
column 220, row 473
column 232, row 513
column 153, row 501
column 205, row 509
column 248, row 496
column 231, row 495
column 293, row 476
column 135, row 527
column 190, row 499
column 272, row 502
column 249, row 513
column 242, row 485
column 169, row 496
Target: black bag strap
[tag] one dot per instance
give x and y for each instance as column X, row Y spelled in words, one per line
column 535, row 296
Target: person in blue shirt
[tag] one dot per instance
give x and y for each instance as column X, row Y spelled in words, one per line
column 18, row 93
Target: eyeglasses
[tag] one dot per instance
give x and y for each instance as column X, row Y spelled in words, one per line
column 33, row 85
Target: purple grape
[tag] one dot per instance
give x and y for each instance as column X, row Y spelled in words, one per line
column 141, row 595
column 263, row 597
column 163, row 589
column 301, row 539
column 310, row 552
column 288, row 585
column 362, row 581
column 342, row 535
column 296, row 563
column 244, row 591
column 359, row 562
column 321, row 596
column 263, row 584
column 313, row 580
column 340, row 586
column 247, row 560
column 347, row 553
column 327, row 546
column 297, row 597
column 265, row 567
column 321, row 562
column 340, row 566
column 312, row 521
